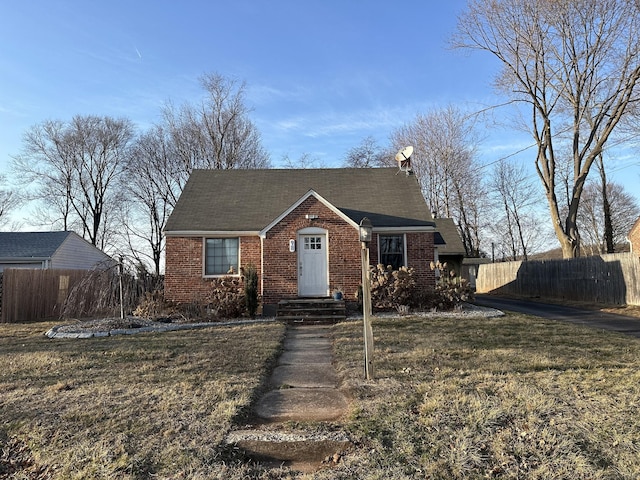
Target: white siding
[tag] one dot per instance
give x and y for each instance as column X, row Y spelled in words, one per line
column 77, row 253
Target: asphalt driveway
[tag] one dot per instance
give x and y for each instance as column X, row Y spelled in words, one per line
column 591, row 318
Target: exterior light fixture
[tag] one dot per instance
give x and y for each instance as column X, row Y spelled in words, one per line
column 366, row 230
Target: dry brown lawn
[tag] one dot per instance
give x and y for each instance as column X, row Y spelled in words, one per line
column 511, row 398
column 139, row 406
column 515, row 397
column 631, row 310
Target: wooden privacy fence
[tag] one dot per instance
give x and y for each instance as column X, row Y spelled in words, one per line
column 612, row 279
column 29, row 295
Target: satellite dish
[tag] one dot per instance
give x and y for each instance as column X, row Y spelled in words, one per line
column 403, row 157
column 404, row 154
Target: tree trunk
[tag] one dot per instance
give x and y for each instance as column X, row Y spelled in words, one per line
column 568, row 236
column 606, row 208
column 608, row 227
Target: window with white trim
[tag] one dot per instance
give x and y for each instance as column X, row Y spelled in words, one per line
column 392, row 251
column 221, row 256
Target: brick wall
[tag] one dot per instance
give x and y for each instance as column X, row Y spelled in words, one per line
column 420, row 251
column 183, row 272
column 281, row 265
column 184, row 281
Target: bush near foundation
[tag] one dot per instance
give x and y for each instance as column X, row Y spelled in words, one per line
column 397, row 290
column 451, row 289
column 252, row 296
column 153, row 305
column 226, row 299
column 390, row 289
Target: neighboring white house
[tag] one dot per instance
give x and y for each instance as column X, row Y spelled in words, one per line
column 46, row 250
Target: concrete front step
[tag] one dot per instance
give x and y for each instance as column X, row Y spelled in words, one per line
column 300, row 450
column 312, row 310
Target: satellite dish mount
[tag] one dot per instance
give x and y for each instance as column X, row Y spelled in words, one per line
column 403, row 157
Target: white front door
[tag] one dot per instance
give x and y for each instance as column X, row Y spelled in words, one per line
column 312, row 266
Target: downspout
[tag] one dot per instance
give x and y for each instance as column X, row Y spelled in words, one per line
column 262, row 267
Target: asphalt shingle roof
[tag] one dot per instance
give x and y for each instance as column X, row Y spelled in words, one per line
column 248, row 200
column 448, row 241
column 30, row 244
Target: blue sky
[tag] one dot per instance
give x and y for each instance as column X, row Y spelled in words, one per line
column 321, row 74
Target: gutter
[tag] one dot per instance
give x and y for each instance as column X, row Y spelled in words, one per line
column 208, row 233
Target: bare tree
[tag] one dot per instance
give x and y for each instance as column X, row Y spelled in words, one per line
column 153, row 193
column 623, row 213
column 515, row 197
column 215, row 134
column 444, row 160
column 576, row 64
column 368, row 154
column 74, row 167
column 608, row 233
column 45, row 159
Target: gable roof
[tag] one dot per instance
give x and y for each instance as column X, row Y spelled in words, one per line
column 249, row 200
column 31, row 244
column 310, row 193
column 447, row 238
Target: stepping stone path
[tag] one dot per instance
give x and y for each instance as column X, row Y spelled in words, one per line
column 304, row 388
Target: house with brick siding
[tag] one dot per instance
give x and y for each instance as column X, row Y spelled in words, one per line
column 299, row 228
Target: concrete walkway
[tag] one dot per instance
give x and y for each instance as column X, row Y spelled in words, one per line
column 304, row 384
column 304, row 388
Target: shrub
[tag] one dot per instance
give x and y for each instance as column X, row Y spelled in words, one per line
column 390, row 289
column 98, row 294
column 152, row 305
column 451, row 289
column 251, row 289
column 226, row 297
column 424, row 299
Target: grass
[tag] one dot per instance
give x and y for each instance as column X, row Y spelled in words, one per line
column 515, row 397
column 140, row 406
column 512, row 398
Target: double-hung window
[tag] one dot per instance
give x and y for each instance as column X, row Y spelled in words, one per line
column 221, row 256
column 392, row 251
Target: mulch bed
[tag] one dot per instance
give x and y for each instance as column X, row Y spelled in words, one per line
column 107, row 324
